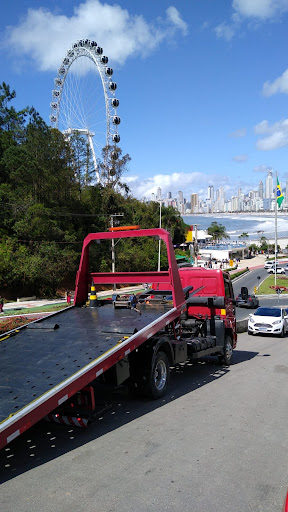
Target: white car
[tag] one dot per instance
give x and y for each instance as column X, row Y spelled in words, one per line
column 270, row 263
column 279, row 270
column 268, row 321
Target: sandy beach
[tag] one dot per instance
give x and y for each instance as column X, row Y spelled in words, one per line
column 282, row 242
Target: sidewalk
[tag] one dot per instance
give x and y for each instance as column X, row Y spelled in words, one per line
column 32, row 304
column 253, row 263
column 257, row 262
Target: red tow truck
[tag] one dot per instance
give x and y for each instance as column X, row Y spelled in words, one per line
column 51, row 366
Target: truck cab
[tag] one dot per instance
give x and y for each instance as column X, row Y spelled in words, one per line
column 212, row 283
column 211, row 296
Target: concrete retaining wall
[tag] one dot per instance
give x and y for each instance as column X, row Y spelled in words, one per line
column 242, row 325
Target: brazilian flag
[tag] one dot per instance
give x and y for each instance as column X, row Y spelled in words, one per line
column 280, row 196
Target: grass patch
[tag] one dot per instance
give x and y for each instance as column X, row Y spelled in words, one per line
column 264, row 288
column 237, row 274
column 36, row 309
column 8, row 324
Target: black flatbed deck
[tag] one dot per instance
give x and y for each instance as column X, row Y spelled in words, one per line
column 38, row 358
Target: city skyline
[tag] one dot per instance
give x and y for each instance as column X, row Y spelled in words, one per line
column 262, row 199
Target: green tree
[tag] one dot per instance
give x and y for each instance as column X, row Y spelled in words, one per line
column 50, row 201
column 81, row 161
column 263, row 244
column 218, row 232
column 112, row 167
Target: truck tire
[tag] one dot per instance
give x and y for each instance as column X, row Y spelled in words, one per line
column 226, row 358
column 159, row 376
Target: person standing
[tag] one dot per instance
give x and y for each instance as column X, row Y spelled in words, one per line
column 1, row 304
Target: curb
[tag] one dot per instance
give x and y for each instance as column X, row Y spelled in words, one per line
column 242, row 325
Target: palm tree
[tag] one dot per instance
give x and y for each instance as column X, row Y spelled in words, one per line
column 244, row 236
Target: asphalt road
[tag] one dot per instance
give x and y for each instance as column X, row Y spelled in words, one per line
column 250, row 280
column 217, row 443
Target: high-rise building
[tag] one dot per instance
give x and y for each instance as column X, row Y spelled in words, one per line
column 261, row 190
column 194, row 203
column 159, row 194
column 211, row 192
column 269, row 185
column 222, row 195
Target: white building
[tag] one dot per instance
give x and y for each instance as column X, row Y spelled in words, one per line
column 269, row 185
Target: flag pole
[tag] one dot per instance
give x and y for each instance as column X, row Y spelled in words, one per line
column 275, row 226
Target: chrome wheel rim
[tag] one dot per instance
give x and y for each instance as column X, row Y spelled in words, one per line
column 229, row 350
column 160, row 375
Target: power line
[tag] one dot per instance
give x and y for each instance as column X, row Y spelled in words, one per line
column 58, row 214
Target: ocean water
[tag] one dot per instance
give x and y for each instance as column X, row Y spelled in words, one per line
column 256, row 225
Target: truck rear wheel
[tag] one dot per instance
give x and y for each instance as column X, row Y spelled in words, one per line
column 226, row 358
column 159, row 376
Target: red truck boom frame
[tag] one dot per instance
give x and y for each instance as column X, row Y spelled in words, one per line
column 14, row 423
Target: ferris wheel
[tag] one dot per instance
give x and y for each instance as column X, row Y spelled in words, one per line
column 84, row 101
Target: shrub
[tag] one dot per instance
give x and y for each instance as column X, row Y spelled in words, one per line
column 12, row 323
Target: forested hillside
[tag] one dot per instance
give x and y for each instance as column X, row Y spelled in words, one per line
column 50, row 201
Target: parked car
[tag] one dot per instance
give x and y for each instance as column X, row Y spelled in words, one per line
column 246, row 300
column 279, row 270
column 270, row 263
column 268, row 321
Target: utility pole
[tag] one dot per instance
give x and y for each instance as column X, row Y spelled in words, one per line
column 113, row 242
column 159, row 251
column 196, row 245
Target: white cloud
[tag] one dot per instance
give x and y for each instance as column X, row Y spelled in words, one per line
column 280, row 84
column 275, row 135
column 191, row 182
column 262, row 169
column 44, row 36
column 262, row 9
column 239, row 133
column 253, row 11
column 225, row 31
column 174, row 16
column 240, row 158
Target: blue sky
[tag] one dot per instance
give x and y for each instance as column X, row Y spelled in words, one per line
column 202, row 84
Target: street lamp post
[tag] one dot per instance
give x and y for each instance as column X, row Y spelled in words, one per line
column 159, row 251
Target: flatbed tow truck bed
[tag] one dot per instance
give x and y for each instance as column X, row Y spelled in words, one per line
column 51, row 359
